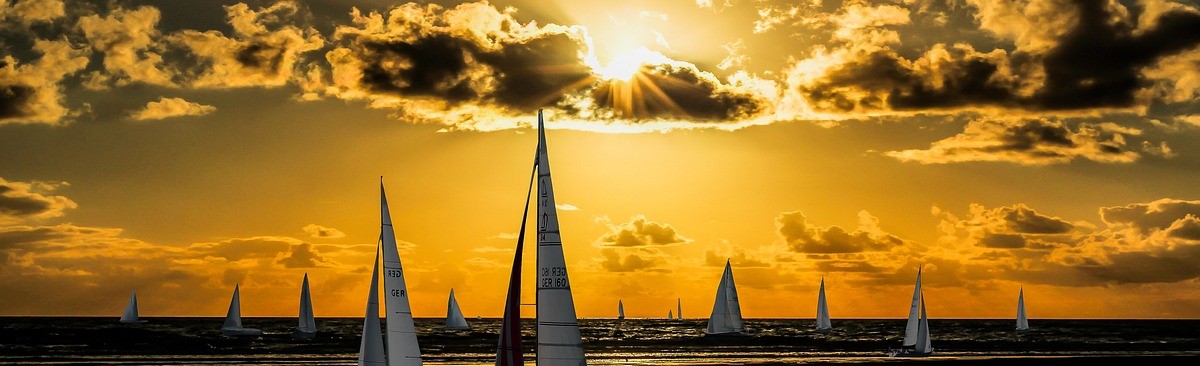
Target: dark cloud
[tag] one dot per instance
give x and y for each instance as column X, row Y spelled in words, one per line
column 1034, row 141
column 1022, row 219
column 640, row 232
column 303, row 255
column 804, row 237
column 682, row 91
column 20, row 200
column 321, row 232
column 15, row 100
column 1146, row 217
column 246, row 248
column 1002, row 241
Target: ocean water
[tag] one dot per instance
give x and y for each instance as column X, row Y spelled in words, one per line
column 163, row 341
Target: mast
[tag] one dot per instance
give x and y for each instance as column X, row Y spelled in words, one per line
column 402, row 347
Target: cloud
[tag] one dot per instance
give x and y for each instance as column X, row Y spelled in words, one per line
column 801, row 236
column 1035, row 141
column 632, row 261
column 566, row 207
column 171, row 107
column 321, row 232
column 303, row 255
column 30, row 92
column 640, row 232
column 719, row 254
column 23, row 200
column 1150, row 216
column 263, row 51
column 128, row 41
column 31, row 11
column 1009, row 227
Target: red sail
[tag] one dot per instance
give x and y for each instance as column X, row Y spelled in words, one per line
column 508, row 350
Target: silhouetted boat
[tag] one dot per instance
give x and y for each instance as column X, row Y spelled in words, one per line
column 233, row 319
column 131, row 311
column 726, row 318
column 916, row 332
column 454, row 315
column 307, row 327
column 1022, row 321
column 823, row 323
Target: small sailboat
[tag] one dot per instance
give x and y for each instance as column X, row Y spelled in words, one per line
column 558, row 338
column 454, row 315
column 823, row 324
column 679, row 308
column 401, row 347
column 670, row 315
column 916, row 332
column 233, row 319
column 726, row 318
column 620, row 310
column 370, row 351
column 1022, row 321
column 131, row 311
column 307, row 327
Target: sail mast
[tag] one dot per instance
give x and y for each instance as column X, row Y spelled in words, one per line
column 402, row 347
column 559, row 341
column 508, row 349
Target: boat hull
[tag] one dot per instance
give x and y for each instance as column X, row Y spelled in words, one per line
column 823, row 330
column 300, row 334
column 459, row 327
column 132, row 321
column 241, row 332
column 728, row 335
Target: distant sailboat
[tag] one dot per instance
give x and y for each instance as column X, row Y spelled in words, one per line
column 558, row 338
column 1022, row 321
column 307, row 327
column 233, row 319
column 916, row 332
column 670, row 315
column 402, row 347
column 823, row 324
column 726, row 318
column 620, row 310
column 454, row 315
column 370, row 351
column 131, row 311
column 679, row 308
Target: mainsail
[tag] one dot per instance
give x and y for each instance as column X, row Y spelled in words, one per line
column 508, row 348
column 923, row 342
column 131, row 311
column 679, row 308
column 1022, row 321
column 402, row 348
column 726, row 315
column 307, row 322
column 823, row 324
column 620, row 310
column 370, row 351
column 454, row 315
column 670, row 315
column 910, row 330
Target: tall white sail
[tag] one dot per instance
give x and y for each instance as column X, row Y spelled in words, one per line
column 679, row 308
column 454, row 315
column 726, row 316
column 823, row 323
column 923, row 345
column 233, row 318
column 910, row 330
column 1022, row 321
column 370, row 351
column 402, row 348
column 306, row 322
column 131, row 311
column 620, row 310
column 558, row 339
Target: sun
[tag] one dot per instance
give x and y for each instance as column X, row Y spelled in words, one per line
column 625, row 66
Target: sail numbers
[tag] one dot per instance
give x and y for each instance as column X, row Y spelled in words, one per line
column 398, row 293
column 394, row 273
column 553, row 277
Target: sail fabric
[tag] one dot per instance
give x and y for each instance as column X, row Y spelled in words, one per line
column 233, row 319
column 1022, row 321
column 454, row 315
column 923, row 345
column 508, row 348
column 823, row 309
column 670, row 315
column 910, row 330
column 679, row 308
column 131, row 310
column 402, row 347
column 370, row 351
column 620, row 310
column 559, row 341
column 727, row 311
column 307, row 322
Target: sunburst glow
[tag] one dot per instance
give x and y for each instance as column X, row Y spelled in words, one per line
column 626, row 66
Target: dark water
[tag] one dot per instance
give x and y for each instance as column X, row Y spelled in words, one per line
column 28, row 340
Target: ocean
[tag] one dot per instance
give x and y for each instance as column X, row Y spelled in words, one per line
column 179, row 341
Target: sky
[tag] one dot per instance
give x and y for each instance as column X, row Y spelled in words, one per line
column 178, row 148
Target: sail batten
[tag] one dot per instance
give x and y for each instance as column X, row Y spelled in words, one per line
column 402, row 347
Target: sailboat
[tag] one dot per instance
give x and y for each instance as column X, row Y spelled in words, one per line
column 726, row 318
column 823, row 324
column 916, row 332
column 620, row 310
column 233, row 319
column 679, row 308
column 1022, row 321
column 370, row 350
column 454, row 315
column 670, row 315
column 401, row 341
column 131, row 311
column 558, row 338
column 307, row 323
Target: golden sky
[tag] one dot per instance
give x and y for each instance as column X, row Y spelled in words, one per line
column 180, row 147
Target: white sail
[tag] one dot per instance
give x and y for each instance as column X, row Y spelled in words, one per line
column 233, row 318
column 131, row 311
column 370, row 351
column 910, row 330
column 670, row 314
column 1022, row 321
column 679, row 308
column 454, row 315
column 558, row 339
column 620, row 310
column 307, row 322
column 727, row 311
column 923, row 345
column 823, row 323
column 402, row 348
